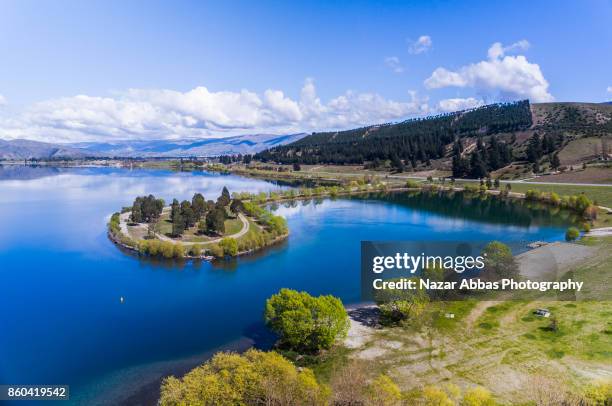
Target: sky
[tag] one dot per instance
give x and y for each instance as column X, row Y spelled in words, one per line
column 73, row 71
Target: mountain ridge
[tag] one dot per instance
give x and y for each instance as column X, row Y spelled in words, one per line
column 20, row 149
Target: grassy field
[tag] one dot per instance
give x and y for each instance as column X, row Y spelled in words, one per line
column 601, row 194
column 592, row 174
column 500, row 345
column 164, row 227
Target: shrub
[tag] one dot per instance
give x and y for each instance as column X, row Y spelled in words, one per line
column 113, row 224
column 555, row 199
column 477, row 396
column 195, row 250
column 229, row 246
column 572, row 234
column 499, row 262
column 582, row 203
column 254, row 378
column 216, row 251
column 599, row 393
column 167, row 249
column 154, row 247
column 383, row 391
column 178, row 250
column 304, row 322
column 411, row 184
column 398, row 306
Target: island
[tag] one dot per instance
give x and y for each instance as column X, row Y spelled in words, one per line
column 199, row 228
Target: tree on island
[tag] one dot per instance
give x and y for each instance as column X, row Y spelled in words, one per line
column 188, row 214
column 178, row 222
column 146, row 209
column 198, row 204
column 236, row 206
column 136, row 216
column 306, row 323
column 215, row 221
column 225, row 198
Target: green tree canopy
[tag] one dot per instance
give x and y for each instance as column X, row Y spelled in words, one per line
column 254, row 378
column 215, row 221
column 225, row 198
column 229, row 245
column 306, row 323
column 499, row 262
column 198, row 204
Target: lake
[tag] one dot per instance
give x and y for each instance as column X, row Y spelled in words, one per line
column 61, row 279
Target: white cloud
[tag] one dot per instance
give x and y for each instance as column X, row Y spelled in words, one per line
column 169, row 114
column 423, row 44
column 511, row 76
column 497, row 50
column 394, row 64
column 3, row 101
column 609, row 89
column 449, row 105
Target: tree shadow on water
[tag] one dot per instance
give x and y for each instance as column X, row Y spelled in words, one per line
column 262, row 337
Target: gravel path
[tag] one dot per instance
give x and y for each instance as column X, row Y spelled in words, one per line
column 124, row 218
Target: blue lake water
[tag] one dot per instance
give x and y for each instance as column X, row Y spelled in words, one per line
column 61, row 278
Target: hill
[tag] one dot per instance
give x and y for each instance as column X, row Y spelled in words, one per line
column 205, row 147
column 26, row 149
column 472, row 143
column 242, row 144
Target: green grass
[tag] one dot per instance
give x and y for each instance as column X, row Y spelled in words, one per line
column 460, row 309
column 232, row 226
column 601, row 194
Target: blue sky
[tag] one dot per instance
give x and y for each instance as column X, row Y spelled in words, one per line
column 216, row 68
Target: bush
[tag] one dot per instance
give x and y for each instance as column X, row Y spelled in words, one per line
column 555, row 199
column 383, row 391
column 229, row 246
column 113, row 224
column 195, row 250
column 167, row 249
column 599, row 393
column 306, row 323
column 499, row 262
column 398, row 306
column 477, row 396
column 178, row 251
column 411, row 184
column 572, row 234
column 254, row 378
column 216, row 251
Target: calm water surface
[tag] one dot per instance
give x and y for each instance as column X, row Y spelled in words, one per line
column 61, row 279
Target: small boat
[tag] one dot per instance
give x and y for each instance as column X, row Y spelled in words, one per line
column 121, row 299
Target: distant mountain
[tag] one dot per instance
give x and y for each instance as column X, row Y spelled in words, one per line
column 242, row 144
column 26, row 149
